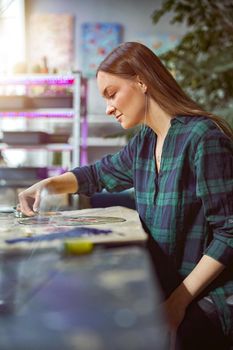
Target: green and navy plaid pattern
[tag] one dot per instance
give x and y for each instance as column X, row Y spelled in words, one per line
column 188, row 206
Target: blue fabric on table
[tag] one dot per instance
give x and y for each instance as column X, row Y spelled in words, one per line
column 77, row 232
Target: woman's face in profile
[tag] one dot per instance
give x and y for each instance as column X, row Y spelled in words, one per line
column 124, row 98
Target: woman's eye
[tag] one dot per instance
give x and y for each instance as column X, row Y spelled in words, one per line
column 112, row 95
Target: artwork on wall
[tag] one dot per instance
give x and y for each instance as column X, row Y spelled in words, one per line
column 51, row 41
column 98, row 39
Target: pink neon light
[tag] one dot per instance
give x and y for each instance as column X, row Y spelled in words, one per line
column 38, row 81
column 38, row 114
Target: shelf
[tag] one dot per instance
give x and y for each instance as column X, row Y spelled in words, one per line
column 38, row 79
column 67, row 113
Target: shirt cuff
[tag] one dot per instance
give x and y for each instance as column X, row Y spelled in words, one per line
column 88, row 183
column 221, row 251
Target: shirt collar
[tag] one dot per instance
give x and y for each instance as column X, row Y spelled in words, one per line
column 181, row 118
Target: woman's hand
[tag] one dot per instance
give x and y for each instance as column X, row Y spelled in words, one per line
column 29, row 199
column 201, row 276
column 174, row 311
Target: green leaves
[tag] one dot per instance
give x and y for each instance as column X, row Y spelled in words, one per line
column 202, row 61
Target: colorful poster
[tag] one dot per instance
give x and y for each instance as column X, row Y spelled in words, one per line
column 98, row 39
column 51, row 41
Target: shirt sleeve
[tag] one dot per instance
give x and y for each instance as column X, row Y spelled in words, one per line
column 214, row 170
column 113, row 172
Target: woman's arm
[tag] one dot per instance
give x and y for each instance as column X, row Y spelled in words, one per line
column 202, row 275
column 213, row 163
column 29, row 199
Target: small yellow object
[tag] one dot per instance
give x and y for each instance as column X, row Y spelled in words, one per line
column 28, row 234
column 78, row 247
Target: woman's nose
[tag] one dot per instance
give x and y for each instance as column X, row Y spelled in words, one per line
column 110, row 110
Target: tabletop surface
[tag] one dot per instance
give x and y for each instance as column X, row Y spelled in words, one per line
column 123, row 225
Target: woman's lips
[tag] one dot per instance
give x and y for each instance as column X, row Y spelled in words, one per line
column 118, row 117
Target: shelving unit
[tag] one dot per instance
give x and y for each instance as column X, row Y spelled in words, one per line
column 72, row 114
column 19, row 101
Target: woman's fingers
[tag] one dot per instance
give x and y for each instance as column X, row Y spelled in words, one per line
column 26, row 204
column 36, row 204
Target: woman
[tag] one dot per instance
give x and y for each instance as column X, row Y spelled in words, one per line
column 181, row 166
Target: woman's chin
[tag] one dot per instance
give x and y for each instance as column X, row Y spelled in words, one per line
column 128, row 125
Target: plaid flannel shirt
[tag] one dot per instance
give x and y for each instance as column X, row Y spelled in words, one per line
column 187, row 206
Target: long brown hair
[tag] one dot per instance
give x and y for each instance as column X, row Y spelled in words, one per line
column 133, row 59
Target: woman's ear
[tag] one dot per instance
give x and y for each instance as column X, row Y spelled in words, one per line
column 142, row 85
